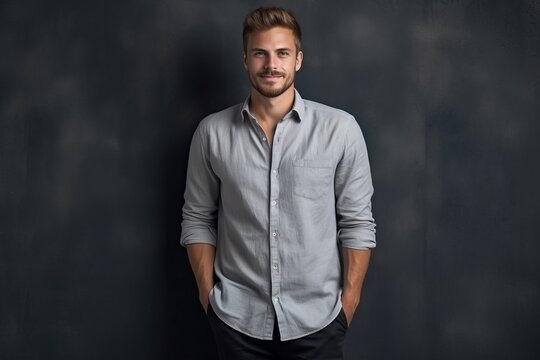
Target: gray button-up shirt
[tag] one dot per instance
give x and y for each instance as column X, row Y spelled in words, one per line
column 277, row 214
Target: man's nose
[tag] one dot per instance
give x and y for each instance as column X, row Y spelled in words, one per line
column 270, row 61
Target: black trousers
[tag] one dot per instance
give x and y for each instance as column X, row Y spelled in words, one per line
column 325, row 344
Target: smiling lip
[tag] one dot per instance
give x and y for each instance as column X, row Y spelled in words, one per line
column 270, row 77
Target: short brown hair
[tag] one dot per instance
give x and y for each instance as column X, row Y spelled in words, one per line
column 265, row 18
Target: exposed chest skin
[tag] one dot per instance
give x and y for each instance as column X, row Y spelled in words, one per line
column 269, row 129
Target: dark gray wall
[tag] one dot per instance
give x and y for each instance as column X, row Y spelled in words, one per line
column 98, row 103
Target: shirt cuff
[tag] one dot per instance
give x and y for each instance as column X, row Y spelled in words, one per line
column 198, row 235
column 360, row 239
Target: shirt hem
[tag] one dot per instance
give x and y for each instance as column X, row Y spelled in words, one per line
column 335, row 313
column 332, row 318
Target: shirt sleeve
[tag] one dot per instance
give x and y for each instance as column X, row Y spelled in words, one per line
column 354, row 189
column 199, row 214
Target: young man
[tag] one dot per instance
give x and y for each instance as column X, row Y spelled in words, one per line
column 277, row 218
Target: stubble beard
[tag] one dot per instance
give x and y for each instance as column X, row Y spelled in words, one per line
column 270, row 92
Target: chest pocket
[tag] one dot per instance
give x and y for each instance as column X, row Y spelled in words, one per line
column 312, row 178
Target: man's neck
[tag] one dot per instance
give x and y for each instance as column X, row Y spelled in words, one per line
column 271, row 110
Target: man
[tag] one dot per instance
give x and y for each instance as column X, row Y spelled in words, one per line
column 277, row 218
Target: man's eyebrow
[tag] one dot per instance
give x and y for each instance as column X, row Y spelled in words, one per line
column 263, row 50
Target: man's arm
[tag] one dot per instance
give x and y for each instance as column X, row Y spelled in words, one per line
column 201, row 258
column 356, row 226
column 199, row 215
column 355, row 265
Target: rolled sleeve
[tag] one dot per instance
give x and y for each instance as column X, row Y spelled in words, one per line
column 354, row 189
column 199, row 213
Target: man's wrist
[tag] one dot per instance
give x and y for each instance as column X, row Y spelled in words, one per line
column 204, row 295
column 350, row 301
column 351, row 296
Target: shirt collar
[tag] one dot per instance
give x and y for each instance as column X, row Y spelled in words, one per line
column 297, row 111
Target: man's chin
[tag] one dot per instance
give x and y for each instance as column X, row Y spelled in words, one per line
column 271, row 92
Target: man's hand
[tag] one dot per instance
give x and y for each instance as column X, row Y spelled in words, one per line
column 203, row 298
column 355, row 264
column 350, row 303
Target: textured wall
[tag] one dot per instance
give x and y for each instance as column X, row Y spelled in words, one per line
column 98, row 101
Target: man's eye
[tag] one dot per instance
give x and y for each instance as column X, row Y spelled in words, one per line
column 283, row 53
column 258, row 54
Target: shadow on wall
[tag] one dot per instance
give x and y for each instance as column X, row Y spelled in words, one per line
column 200, row 84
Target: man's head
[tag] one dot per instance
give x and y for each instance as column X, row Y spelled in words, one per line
column 272, row 50
column 265, row 18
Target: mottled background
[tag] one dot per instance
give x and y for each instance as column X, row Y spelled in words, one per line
column 98, row 102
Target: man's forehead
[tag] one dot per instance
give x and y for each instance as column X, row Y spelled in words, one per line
column 275, row 37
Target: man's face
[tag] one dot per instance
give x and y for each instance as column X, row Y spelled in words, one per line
column 271, row 61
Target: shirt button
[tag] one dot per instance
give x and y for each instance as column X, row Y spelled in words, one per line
column 276, row 299
column 274, row 202
column 274, row 171
column 274, row 266
column 263, row 139
column 274, row 234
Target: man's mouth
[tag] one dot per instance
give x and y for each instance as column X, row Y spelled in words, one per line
column 273, row 75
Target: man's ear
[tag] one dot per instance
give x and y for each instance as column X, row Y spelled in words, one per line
column 299, row 58
column 244, row 59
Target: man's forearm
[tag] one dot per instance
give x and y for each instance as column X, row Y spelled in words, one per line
column 201, row 258
column 355, row 265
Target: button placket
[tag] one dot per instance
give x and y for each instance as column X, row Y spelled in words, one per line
column 274, row 217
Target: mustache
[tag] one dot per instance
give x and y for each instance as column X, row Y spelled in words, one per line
column 270, row 73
